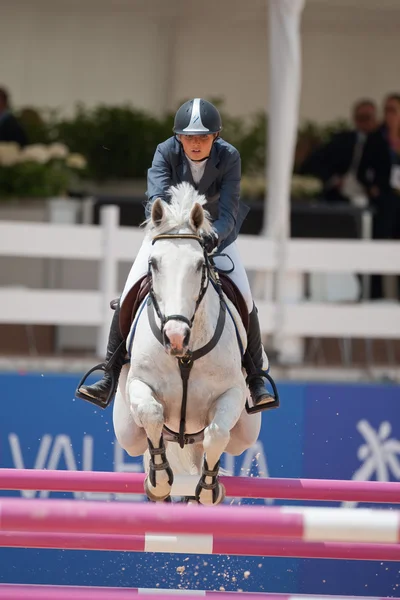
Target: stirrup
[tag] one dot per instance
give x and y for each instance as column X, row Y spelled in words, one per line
column 97, row 401
column 251, row 410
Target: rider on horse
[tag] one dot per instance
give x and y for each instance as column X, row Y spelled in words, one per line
column 198, row 155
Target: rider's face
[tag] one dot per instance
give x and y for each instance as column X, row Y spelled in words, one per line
column 197, row 147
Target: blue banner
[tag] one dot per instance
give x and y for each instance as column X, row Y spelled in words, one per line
column 320, row 431
column 352, row 432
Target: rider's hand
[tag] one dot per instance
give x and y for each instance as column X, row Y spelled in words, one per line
column 210, row 242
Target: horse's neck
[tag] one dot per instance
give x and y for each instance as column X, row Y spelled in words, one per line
column 206, row 318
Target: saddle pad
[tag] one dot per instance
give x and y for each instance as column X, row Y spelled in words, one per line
column 140, row 290
column 130, row 305
column 234, row 295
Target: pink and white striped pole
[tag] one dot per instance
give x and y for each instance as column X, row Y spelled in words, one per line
column 185, row 545
column 47, row 592
column 236, row 487
column 297, row 523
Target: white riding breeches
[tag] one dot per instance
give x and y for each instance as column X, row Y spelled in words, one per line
column 238, row 275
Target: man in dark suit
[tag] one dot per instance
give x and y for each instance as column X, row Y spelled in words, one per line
column 10, row 129
column 336, row 162
column 379, row 171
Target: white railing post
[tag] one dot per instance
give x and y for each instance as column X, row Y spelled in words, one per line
column 108, row 274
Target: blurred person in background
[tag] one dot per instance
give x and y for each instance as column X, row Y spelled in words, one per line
column 10, row 129
column 336, row 163
column 379, row 172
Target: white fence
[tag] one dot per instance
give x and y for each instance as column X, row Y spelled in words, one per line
column 111, row 244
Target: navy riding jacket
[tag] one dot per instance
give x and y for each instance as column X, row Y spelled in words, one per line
column 220, row 184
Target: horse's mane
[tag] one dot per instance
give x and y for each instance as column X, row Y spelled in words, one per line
column 178, row 209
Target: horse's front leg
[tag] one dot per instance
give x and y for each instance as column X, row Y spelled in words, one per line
column 227, row 411
column 148, row 412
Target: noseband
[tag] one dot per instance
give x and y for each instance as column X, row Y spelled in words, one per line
column 205, row 280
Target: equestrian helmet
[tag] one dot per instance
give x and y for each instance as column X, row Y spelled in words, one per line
column 197, row 117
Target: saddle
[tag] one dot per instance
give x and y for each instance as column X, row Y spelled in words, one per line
column 138, row 293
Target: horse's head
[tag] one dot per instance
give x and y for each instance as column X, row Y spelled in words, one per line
column 178, row 263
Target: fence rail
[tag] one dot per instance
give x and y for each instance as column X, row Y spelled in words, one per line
column 110, row 244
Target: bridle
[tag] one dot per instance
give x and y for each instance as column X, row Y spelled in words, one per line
column 205, row 280
column 186, row 362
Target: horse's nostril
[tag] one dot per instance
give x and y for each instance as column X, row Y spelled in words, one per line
column 186, row 338
column 167, row 341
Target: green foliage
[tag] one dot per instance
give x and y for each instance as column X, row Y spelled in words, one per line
column 248, row 136
column 119, row 141
column 39, row 126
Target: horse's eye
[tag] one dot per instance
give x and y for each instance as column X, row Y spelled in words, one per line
column 199, row 266
column 153, row 264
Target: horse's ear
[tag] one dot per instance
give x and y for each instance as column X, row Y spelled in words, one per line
column 157, row 212
column 196, row 216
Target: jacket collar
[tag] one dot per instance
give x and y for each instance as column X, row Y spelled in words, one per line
column 210, row 173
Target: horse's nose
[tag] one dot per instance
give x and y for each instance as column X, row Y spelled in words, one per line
column 176, row 338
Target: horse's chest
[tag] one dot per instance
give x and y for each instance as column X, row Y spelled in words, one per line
column 207, row 381
column 211, row 376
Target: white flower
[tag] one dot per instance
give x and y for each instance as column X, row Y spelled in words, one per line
column 76, row 161
column 9, row 154
column 38, row 153
column 58, row 151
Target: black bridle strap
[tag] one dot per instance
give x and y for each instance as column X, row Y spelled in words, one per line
column 152, row 321
column 185, row 366
column 217, row 334
column 201, row 351
column 219, row 269
column 177, row 236
column 178, row 318
column 186, row 363
column 205, row 279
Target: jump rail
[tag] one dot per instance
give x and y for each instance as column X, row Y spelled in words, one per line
column 297, row 523
column 236, row 487
column 47, row 592
column 188, row 544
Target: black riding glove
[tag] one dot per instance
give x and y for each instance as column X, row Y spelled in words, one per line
column 210, row 242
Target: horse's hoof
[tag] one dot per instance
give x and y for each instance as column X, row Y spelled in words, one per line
column 221, row 493
column 150, row 495
column 219, row 496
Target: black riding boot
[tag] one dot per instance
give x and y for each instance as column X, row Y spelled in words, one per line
column 115, row 358
column 257, row 387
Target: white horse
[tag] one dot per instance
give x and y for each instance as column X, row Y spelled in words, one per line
column 183, row 338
